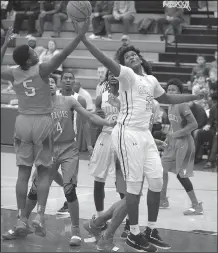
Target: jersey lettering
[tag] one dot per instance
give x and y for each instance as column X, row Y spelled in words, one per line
column 59, row 128
column 31, row 90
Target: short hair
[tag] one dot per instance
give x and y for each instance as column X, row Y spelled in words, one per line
column 200, row 55
column 146, row 66
column 21, row 54
column 53, row 77
column 200, row 74
column 67, row 71
column 177, row 82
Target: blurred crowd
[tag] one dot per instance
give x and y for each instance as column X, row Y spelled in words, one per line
column 203, row 77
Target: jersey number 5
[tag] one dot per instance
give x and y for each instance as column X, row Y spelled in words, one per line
column 31, row 90
column 59, row 128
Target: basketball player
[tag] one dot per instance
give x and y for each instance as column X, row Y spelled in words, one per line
column 179, row 154
column 34, row 124
column 133, row 142
column 66, row 154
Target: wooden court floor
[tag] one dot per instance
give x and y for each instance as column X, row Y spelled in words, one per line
column 185, row 234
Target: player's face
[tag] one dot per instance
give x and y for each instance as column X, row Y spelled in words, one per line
column 201, row 80
column 67, row 81
column 125, row 42
column 132, row 60
column 200, row 60
column 173, row 89
column 51, row 45
column 213, row 76
column 112, row 80
column 33, row 57
column 32, row 43
column 52, row 86
column 101, row 74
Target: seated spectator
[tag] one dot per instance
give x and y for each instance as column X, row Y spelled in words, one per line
column 125, row 40
column 55, row 12
column 200, row 68
column 173, row 20
column 214, row 63
column 209, row 133
column 38, row 49
column 101, row 86
column 26, row 10
column 4, row 5
column 85, row 94
column 101, row 9
column 49, row 53
column 123, row 11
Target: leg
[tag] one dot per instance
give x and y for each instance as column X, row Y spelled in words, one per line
column 18, row 22
column 99, row 195
column 160, row 25
column 42, row 20
column 32, row 23
column 213, row 152
column 127, row 21
column 108, row 19
column 57, row 20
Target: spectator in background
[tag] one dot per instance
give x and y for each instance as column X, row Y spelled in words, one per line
column 26, row 10
column 4, row 5
column 123, row 11
column 214, row 63
column 49, row 53
column 101, row 86
column 55, row 12
column 101, row 9
column 85, row 94
column 38, row 49
column 173, row 20
column 125, row 40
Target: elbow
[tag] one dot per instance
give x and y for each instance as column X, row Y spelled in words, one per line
column 194, row 126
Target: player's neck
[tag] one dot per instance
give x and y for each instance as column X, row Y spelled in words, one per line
column 67, row 92
column 138, row 71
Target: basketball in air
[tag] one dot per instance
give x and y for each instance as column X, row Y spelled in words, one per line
column 79, row 10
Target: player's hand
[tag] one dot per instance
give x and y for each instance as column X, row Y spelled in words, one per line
column 100, row 113
column 206, row 128
column 81, row 28
column 112, row 123
column 42, row 14
column 90, row 150
column 97, row 14
column 160, row 144
column 202, row 94
column 8, row 35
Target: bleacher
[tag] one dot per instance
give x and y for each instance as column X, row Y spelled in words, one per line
column 195, row 39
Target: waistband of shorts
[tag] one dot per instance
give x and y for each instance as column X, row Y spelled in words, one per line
column 36, row 114
column 133, row 128
column 107, row 132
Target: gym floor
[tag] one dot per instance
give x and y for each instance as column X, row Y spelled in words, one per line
column 183, row 233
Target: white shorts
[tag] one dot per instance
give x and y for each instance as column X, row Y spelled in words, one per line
column 102, row 161
column 137, row 153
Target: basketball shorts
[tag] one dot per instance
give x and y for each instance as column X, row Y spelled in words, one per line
column 66, row 155
column 137, row 153
column 102, row 161
column 179, row 155
column 33, row 140
column 120, row 182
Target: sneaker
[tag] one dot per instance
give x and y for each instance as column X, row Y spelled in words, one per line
column 154, row 238
column 126, row 230
column 108, row 37
column 107, row 245
column 15, row 35
column 93, row 36
column 195, row 210
column 37, row 35
column 55, row 35
column 139, row 243
column 39, row 225
column 29, row 36
column 76, row 239
column 64, row 210
column 164, row 203
column 92, row 229
column 12, row 235
column 21, row 227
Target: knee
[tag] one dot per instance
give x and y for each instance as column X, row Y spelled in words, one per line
column 127, row 19
column 70, row 192
column 155, row 184
column 134, row 187
column 101, row 180
column 56, row 16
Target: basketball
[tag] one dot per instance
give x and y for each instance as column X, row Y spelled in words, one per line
column 79, row 10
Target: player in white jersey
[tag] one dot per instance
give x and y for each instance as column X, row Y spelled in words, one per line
column 132, row 140
column 102, row 161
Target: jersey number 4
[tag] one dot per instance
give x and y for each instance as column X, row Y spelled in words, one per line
column 59, row 128
column 31, row 90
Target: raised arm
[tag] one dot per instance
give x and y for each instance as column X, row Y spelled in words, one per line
column 48, row 67
column 6, row 72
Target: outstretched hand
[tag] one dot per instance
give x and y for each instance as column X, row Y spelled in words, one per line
column 8, row 35
column 81, row 28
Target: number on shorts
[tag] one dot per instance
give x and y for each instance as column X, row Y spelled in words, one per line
column 59, row 128
column 31, row 90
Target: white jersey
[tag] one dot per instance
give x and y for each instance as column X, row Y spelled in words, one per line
column 75, row 95
column 136, row 98
column 111, row 112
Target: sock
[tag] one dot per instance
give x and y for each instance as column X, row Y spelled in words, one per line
column 99, row 195
column 153, row 203
column 100, row 213
column 152, row 224
column 134, row 229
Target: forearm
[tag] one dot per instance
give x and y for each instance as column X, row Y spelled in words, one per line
column 87, row 134
column 98, row 120
column 3, row 50
column 178, row 99
column 187, row 130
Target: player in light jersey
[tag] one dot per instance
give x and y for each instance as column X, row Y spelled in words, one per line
column 133, row 142
column 33, row 127
column 179, row 154
column 102, row 160
column 66, row 154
